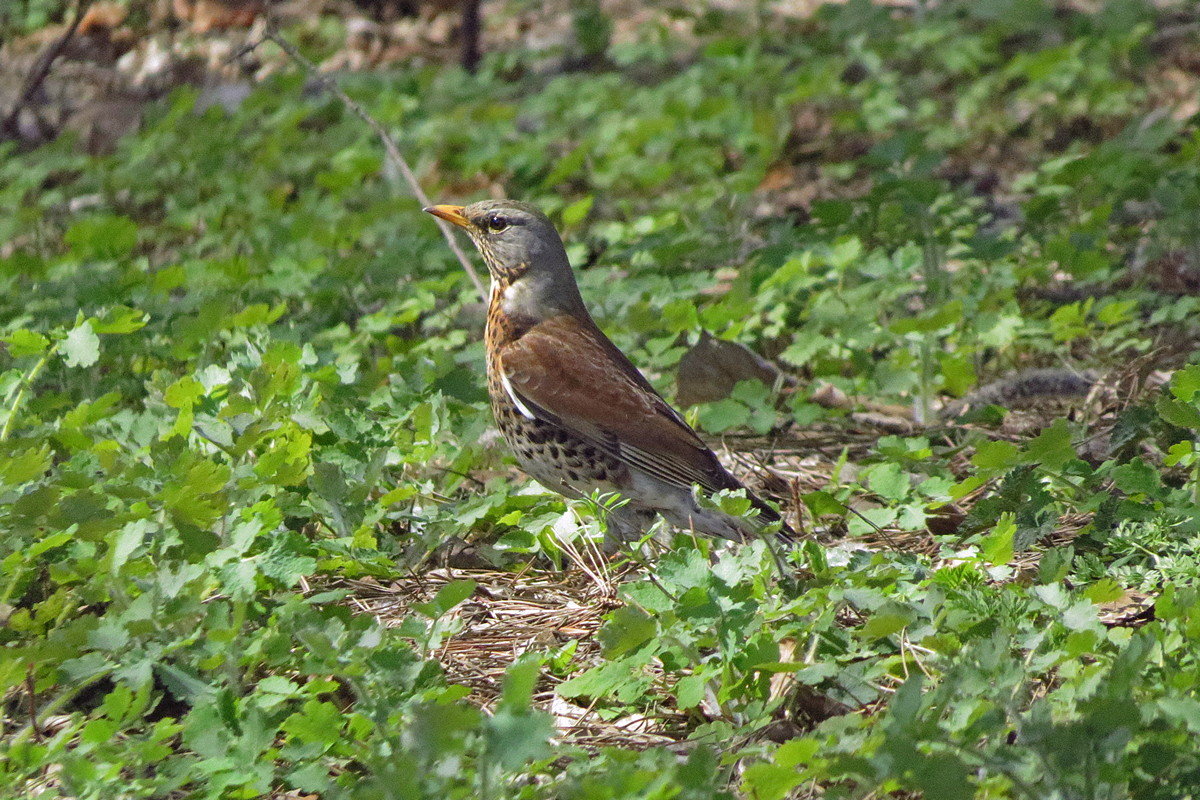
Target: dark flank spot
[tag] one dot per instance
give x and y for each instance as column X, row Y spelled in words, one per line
column 590, row 455
column 555, row 453
column 537, row 435
column 572, row 476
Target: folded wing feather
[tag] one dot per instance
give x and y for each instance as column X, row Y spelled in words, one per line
column 567, row 371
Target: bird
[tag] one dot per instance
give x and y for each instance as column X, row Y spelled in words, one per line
column 578, row 415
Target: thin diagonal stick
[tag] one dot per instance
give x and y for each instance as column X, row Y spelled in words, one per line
column 389, row 146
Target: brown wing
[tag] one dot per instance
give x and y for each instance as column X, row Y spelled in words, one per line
column 566, row 370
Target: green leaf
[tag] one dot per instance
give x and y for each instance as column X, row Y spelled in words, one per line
column 48, row 543
column 1052, row 447
column 278, row 685
column 567, row 166
column 23, row 343
column 722, row 415
column 689, row 690
column 329, row 481
column 846, row 252
column 127, row 540
column 1055, row 564
column 821, row 502
column 183, row 393
column 1178, row 413
column 1182, row 709
column 797, row 751
column 436, row 730
column 1181, row 453
column 889, row 481
column 958, row 372
column 997, row 456
column 286, row 562
column 1079, row 616
column 519, row 681
column 1105, row 590
column 944, row 776
column 312, row 777
column 628, row 628
column 891, row 618
column 288, row 459
column 81, row 348
column 1137, row 477
column 997, row 546
column 447, row 598
column 948, row 314
column 121, row 320
column 1001, row 330
column 516, row 738
column 1185, row 383
column 319, row 723
column 906, row 702
column 575, row 212
column 766, row 781
column 25, row 465
column 183, row 683
column 622, row 678
column 102, row 236
column 257, row 314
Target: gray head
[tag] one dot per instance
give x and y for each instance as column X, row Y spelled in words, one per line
column 522, row 250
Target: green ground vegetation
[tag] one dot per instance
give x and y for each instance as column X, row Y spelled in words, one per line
column 241, row 368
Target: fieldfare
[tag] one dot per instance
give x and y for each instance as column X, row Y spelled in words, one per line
column 578, row 414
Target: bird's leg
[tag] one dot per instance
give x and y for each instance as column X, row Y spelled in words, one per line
column 626, row 523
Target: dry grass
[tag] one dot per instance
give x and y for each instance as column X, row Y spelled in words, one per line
column 536, row 610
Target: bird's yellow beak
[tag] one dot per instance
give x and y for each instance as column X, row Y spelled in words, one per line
column 451, row 214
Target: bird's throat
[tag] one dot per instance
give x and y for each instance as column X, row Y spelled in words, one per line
column 520, row 299
column 511, row 311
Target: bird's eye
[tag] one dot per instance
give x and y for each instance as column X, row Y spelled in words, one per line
column 497, row 223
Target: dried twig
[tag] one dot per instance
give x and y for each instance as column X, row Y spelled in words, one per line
column 390, row 148
column 10, row 127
